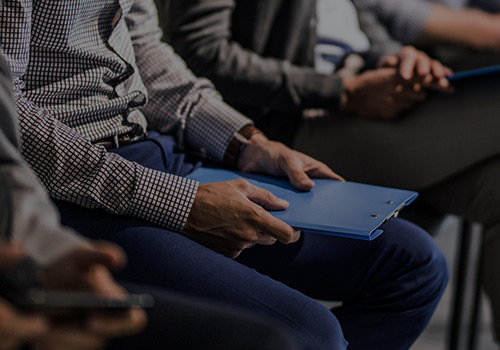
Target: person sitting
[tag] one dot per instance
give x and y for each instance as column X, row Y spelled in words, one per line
column 83, row 131
column 34, row 246
column 261, row 56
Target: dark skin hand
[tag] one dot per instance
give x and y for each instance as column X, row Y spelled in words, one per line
column 379, row 94
column 418, row 69
column 399, row 84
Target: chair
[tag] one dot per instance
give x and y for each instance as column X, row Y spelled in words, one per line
column 466, row 269
column 462, row 325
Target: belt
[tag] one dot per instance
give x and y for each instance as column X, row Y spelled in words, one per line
column 118, row 141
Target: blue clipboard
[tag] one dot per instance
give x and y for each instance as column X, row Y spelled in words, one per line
column 345, row 209
column 474, row 72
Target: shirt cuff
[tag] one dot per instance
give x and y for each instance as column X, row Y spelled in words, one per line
column 212, row 127
column 318, row 90
column 163, row 199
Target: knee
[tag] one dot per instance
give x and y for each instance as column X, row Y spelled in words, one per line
column 320, row 328
column 423, row 267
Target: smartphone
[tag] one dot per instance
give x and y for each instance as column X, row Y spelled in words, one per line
column 18, row 286
column 42, row 300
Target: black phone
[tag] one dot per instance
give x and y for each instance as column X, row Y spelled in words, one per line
column 18, row 286
column 43, row 300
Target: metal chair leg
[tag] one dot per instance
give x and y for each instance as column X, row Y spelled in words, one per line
column 465, row 237
column 476, row 306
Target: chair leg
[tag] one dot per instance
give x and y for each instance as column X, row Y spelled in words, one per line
column 476, row 306
column 465, row 237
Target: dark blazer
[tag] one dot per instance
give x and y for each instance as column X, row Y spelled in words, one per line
column 259, row 53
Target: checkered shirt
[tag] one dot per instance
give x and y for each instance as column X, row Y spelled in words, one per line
column 83, row 71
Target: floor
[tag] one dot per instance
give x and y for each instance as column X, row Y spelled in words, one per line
column 434, row 337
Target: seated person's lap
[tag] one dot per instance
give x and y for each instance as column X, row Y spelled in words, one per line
column 373, row 279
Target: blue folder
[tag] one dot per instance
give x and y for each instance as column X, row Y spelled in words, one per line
column 474, row 72
column 345, row 209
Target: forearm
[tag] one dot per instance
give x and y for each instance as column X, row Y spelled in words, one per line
column 464, row 27
column 381, row 42
column 179, row 103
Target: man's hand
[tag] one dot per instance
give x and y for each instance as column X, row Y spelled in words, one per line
column 379, row 94
column 86, row 269
column 16, row 328
column 261, row 155
column 232, row 216
column 418, row 69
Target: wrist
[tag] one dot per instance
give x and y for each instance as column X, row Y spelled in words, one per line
column 238, row 143
column 345, row 98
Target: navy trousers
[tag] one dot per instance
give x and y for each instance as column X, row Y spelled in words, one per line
column 181, row 322
column 389, row 287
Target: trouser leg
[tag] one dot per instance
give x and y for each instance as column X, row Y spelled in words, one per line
column 179, row 322
column 389, row 287
column 475, row 195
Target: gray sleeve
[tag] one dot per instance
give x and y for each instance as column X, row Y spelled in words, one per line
column 381, row 42
column 405, row 19
column 201, row 32
column 28, row 217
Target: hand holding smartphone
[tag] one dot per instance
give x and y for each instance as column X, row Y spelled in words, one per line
column 18, row 286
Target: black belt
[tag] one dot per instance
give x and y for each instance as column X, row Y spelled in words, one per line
column 118, row 141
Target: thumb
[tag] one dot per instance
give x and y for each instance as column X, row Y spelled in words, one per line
column 389, row 61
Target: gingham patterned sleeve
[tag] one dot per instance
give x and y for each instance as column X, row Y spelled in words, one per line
column 203, row 123
column 73, row 169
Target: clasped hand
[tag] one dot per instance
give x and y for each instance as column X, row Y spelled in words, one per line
column 231, row 216
column 401, row 82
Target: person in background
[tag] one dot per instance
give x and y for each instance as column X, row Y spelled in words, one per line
column 463, row 33
column 29, row 222
column 263, row 57
column 33, row 243
column 108, row 125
